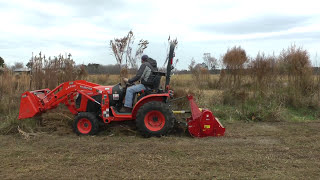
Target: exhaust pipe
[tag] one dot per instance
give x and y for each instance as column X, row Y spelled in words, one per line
column 169, row 66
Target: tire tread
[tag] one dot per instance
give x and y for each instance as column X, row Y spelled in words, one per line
column 154, row 105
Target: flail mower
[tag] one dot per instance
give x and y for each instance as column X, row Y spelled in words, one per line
column 93, row 104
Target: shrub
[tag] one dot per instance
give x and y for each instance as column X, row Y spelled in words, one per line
column 234, row 60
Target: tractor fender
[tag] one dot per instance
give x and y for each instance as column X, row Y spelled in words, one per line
column 146, row 99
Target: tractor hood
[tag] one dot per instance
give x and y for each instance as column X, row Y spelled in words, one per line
column 116, row 89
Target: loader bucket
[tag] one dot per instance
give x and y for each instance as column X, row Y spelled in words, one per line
column 30, row 104
column 203, row 123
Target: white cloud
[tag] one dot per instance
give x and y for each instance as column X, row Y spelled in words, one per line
column 85, row 28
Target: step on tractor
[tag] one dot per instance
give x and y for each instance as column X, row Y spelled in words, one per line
column 93, row 104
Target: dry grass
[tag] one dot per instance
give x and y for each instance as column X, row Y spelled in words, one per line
column 248, row 151
column 103, row 79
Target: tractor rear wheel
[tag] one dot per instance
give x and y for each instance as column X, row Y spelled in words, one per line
column 154, row 119
column 86, row 123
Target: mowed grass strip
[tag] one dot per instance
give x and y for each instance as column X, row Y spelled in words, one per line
column 249, row 150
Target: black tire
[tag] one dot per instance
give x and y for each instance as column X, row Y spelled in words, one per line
column 86, row 123
column 154, row 119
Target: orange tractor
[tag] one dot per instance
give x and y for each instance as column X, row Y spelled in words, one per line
column 93, row 104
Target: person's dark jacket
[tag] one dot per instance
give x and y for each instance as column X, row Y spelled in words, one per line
column 145, row 72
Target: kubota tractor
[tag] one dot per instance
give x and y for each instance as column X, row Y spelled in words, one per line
column 93, row 104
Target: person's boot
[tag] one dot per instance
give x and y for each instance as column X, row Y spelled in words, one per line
column 125, row 110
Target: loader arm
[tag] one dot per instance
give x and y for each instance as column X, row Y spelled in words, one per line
column 36, row 102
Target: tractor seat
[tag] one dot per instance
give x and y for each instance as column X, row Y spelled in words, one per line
column 148, row 91
column 152, row 88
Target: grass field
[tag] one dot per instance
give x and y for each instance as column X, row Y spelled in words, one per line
column 282, row 150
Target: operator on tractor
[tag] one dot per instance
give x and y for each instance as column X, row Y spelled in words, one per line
column 146, row 76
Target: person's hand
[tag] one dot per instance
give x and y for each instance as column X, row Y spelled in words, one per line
column 125, row 80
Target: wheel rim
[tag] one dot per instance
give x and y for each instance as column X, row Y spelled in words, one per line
column 154, row 120
column 84, row 126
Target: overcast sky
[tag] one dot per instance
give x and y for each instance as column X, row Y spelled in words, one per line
column 85, row 27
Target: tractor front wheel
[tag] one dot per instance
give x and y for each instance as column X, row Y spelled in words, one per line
column 154, row 119
column 86, row 123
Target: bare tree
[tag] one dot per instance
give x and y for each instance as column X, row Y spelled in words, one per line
column 192, row 64
column 143, row 44
column 17, row 65
column 234, row 60
column 119, row 47
column 122, row 47
column 211, row 62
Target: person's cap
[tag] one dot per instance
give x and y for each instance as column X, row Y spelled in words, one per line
column 144, row 57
